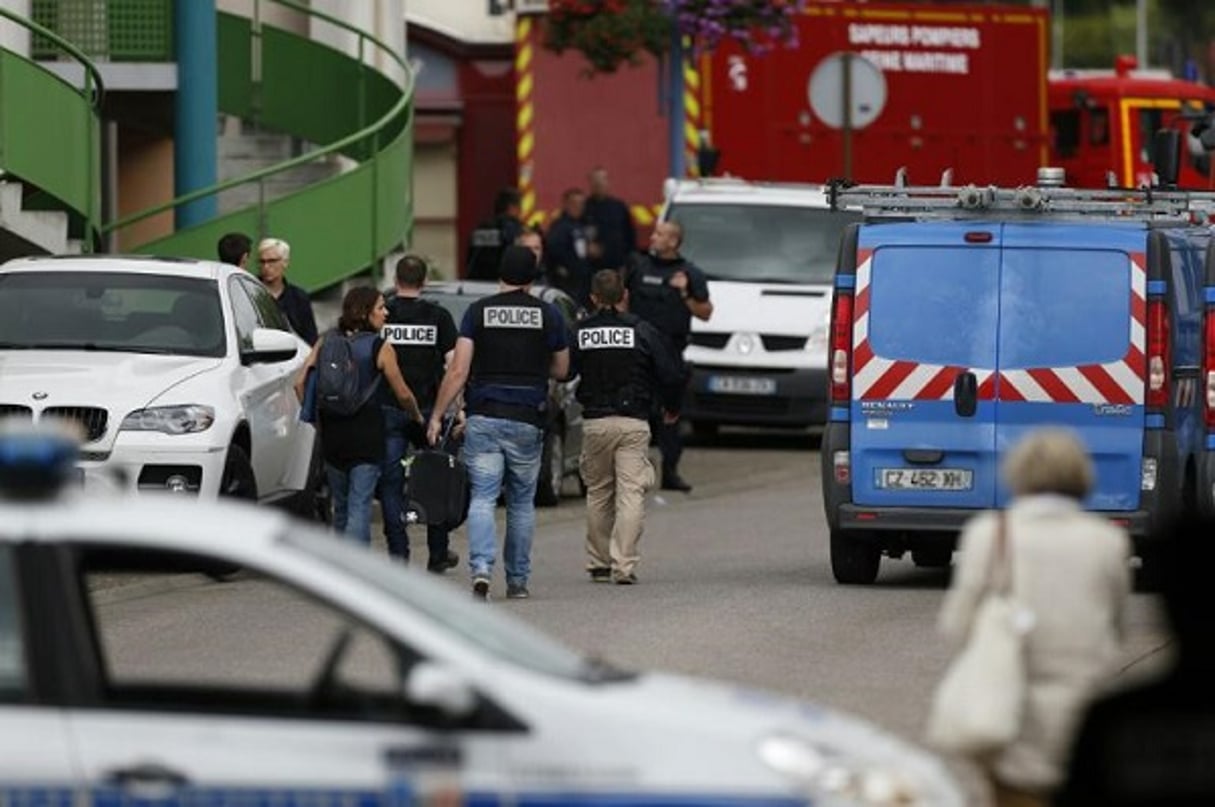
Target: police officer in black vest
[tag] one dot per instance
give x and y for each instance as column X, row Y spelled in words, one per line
column 491, row 238
column 622, row 361
column 666, row 291
column 423, row 336
column 510, row 345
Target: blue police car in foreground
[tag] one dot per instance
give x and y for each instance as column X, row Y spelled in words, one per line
column 323, row 676
column 963, row 318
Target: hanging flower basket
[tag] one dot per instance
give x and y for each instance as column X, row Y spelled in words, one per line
column 758, row 25
column 610, row 33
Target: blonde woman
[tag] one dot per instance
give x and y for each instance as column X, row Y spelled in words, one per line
column 1070, row 570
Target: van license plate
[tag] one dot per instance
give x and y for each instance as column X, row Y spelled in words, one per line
column 925, row 478
column 742, row 385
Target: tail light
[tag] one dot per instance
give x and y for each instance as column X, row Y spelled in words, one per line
column 1158, row 359
column 1208, row 370
column 841, row 347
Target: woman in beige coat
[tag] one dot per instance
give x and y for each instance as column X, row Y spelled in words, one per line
column 1070, row 569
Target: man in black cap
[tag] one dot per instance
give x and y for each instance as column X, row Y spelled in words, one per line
column 487, row 243
column 510, row 344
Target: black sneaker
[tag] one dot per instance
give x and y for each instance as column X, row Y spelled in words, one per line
column 517, row 591
column 625, row 579
column 480, row 588
column 450, row 562
column 600, row 575
column 674, row 481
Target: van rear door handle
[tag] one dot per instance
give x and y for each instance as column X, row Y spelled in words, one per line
column 965, row 394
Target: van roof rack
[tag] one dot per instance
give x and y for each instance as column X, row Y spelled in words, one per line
column 1026, row 202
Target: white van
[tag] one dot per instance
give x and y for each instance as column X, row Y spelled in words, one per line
column 769, row 251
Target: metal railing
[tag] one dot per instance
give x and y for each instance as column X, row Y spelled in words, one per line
column 367, row 140
column 86, row 203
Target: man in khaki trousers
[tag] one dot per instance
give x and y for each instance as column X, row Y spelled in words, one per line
column 622, row 360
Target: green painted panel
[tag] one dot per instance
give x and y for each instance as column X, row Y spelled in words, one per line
column 233, row 37
column 394, row 193
column 48, row 133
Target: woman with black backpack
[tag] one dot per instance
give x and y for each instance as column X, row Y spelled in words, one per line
column 349, row 365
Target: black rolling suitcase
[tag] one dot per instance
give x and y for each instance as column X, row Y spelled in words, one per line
column 436, row 487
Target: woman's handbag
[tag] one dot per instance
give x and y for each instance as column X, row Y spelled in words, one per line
column 977, row 708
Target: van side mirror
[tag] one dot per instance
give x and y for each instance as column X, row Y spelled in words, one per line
column 1166, row 151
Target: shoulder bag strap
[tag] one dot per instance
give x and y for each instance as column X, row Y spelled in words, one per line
column 1000, row 569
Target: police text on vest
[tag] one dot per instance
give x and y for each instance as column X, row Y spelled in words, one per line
column 410, row 334
column 597, row 338
column 513, row 316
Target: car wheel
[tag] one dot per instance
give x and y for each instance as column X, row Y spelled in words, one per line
column 552, row 469
column 315, row 502
column 854, row 561
column 238, row 481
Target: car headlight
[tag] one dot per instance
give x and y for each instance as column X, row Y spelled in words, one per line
column 170, row 419
column 831, row 775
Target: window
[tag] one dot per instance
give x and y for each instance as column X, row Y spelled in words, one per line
column 12, row 648
column 268, row 312
column 244, row 313
column 175, row 637
column 935, row 305
column 131, row 312
column 762, row 243
column 1150, row 122
column 1065, row 132
column 1099, row 127
column 459, row 617
column 1044, row 293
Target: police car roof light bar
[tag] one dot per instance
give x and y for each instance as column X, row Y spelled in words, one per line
column 970, row 201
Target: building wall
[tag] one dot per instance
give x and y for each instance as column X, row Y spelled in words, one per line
column 434, row 225
column 145, row 179
column 464, row 20
column 487, row 140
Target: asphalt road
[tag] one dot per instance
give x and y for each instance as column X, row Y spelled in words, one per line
column 736, row 584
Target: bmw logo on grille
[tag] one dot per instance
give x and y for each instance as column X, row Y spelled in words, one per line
column 40, row 396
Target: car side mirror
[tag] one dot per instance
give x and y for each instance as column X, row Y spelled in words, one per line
column 270, row 346
column 441, row 688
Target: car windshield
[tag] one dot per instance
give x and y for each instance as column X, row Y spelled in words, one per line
column 459, row 616
column 762, row 243
column 125, row 312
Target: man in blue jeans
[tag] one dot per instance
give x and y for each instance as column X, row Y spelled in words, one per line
column 423, row 336
column 510, row 344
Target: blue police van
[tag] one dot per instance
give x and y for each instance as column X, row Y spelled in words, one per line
column 963, row 318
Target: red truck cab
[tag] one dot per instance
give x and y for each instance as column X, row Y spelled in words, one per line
column 1102, row 123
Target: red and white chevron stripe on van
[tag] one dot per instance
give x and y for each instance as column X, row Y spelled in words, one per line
column 1117, row 382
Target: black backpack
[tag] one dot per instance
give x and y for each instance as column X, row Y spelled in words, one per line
column 340, row 389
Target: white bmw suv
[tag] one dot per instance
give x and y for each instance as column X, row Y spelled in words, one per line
column 178, row 372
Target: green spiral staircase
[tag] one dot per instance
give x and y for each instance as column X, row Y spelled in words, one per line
column 287, row 83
